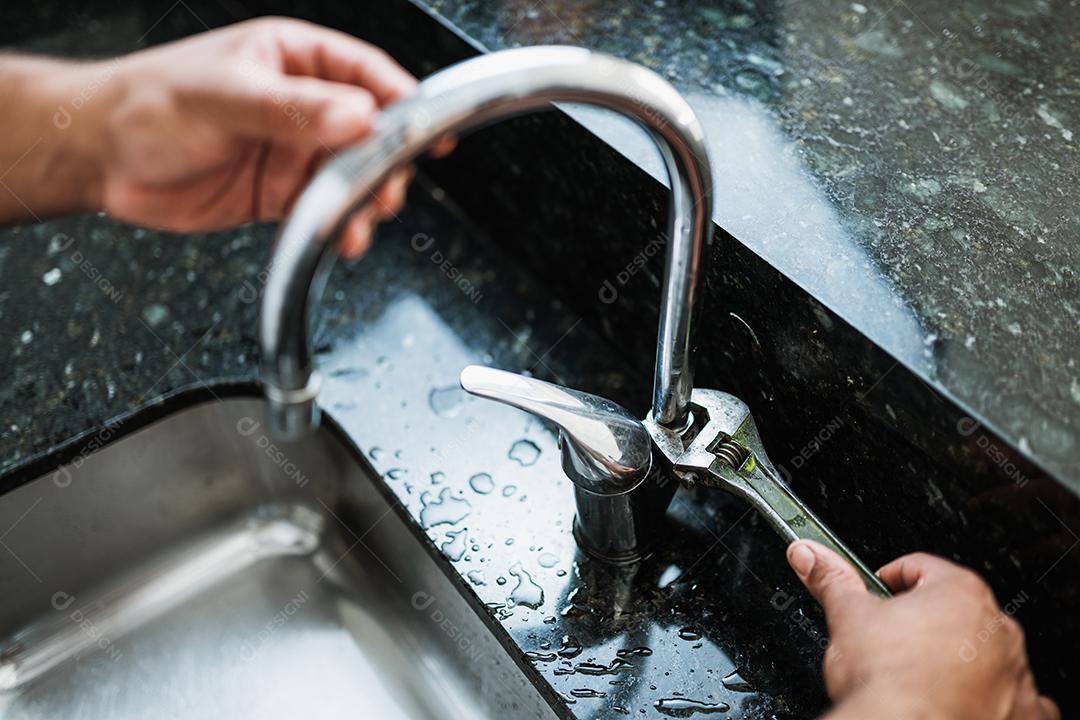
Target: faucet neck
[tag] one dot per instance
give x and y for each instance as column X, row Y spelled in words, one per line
column 455, row 101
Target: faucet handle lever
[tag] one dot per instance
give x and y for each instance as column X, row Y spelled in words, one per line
column 605, row 449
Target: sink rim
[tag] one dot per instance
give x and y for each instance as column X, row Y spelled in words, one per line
column 95, row 440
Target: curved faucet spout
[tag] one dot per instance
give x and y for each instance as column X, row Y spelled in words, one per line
column 455, row 101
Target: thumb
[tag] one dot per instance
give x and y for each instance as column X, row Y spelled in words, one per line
column 833, row 582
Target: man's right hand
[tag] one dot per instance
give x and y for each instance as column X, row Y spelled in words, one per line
column 941, row 648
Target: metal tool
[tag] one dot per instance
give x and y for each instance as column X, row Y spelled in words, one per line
column 621, row 493
column 725, row 452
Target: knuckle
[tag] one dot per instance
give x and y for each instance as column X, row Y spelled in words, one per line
column 972, row 584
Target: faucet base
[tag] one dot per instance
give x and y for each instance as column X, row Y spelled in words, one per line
column 623, row 529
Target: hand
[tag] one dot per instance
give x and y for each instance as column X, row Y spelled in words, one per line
column 207, row 132
column 941, row 648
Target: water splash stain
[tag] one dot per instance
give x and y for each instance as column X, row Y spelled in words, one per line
column 527, row 592
column 481, row 483
column 454, row 548
column 446, row 401
column 685, row 707
column 446, row 510
column 524, row 452
column 689, row 633
column 734, row 681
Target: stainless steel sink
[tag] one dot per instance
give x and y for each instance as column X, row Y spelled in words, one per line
column 196, row 569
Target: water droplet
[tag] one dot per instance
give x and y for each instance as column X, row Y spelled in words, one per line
column 375, row 453
column 620, row 709
column 670, row 575
column 454, row 548
column 447, row 509
column 689, row 633
column 500, row 580
column 509, row 490
column 560, row 573
column 587, row 693
column 685, row 707
column 437, row 477
column 446, row 401
column 476, row 577
column 482, row 483
column 637, row 651
column 734, row 681
column 547, row 560
column 395, row 473
column 540, row 657
column 527, row 592
column 617, row 665
column 570, row 647
column 524, row 452
column 357, row 372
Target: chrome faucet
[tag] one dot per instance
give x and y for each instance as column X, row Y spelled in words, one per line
column 620, row 466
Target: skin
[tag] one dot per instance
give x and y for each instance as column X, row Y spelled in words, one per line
column 229, row 126
column 940, row 649
column 209, row 132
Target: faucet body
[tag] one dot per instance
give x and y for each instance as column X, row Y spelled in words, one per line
column 620, row 494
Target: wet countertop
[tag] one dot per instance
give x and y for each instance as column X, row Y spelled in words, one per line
column 713, row 621
column 913, row 165
column 878, row 224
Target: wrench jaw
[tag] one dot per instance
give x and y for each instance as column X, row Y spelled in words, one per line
column 689, row 455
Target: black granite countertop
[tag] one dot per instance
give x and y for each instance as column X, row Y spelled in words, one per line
column 879, row 182
column 913, row 165
column 713, row 618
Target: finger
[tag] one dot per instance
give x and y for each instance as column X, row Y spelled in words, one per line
column 444, row 146
column 910, row 571
column 833, row 581
column 390, row 198
column 263, row 105
column 284, row 174
column 356, row 238
column 309, row 49
column 1050, row 710
column 1028, row 704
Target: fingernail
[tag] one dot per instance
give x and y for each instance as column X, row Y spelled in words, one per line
column 801, row 558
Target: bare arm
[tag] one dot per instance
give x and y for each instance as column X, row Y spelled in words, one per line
column 48, row 164
column 207, row 132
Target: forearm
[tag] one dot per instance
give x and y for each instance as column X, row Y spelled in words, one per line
column 52, row 137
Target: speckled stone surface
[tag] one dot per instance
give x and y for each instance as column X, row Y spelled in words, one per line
column 100, row 318
column 713, row 617
column 913, row 165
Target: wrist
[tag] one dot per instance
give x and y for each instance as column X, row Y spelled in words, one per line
column 81, row 99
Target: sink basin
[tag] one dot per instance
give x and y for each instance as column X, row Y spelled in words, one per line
column 195, row 568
